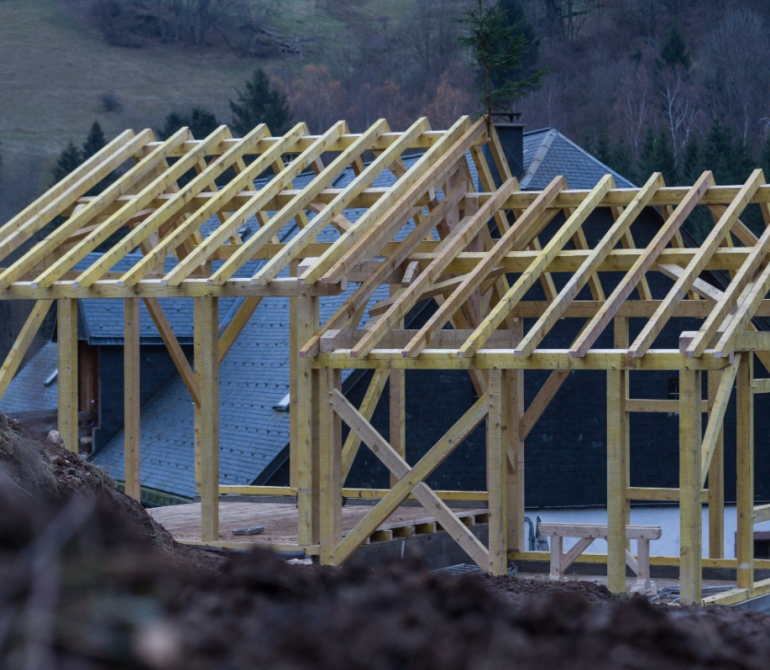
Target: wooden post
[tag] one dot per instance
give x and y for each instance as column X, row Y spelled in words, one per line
column 305, row 407
column 690, row 511
column 617, row 418
column 67, row 335
column 294, row 327
column 330, row 466
column 131, row 397
column 621, row 341
column 745, row 472
column 497, row 469
column 513, row 380
column 207, row 367
column 716, row 482
column 397, row 390
column 197, row 412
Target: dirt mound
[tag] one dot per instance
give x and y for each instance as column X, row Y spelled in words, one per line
column 90, row 583
column 46, row 470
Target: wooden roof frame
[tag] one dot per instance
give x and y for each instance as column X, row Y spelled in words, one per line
column 477, row 252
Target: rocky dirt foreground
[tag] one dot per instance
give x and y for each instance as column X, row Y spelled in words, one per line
column 90, row 581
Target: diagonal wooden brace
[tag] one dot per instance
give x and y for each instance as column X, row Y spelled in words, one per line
column 411, row 480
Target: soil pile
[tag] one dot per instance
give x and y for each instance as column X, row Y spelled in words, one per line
column 90, row 583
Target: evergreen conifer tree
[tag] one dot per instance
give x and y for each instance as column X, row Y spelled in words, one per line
column 674, row 50
column 620, row 161
column 258, row 103
column 68, row 160
column 497, row 50
column 200, row 121
column 603, row 147
column 94, row 142
column 764, row 161
column 663, row 158
column 692, row 163
column 647, row 156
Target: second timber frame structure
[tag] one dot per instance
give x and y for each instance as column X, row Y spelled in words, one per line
column 431, row 234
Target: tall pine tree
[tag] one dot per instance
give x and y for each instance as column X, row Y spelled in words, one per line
column 94, row 142
column 259, row 103
column 68, row 160
column 498, row 50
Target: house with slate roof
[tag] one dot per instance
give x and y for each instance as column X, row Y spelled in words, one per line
column 254, row 384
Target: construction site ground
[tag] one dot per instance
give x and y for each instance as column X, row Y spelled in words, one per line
column 91, row 581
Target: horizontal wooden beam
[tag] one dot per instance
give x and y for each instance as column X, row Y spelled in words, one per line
column 668, row 561
column 762, row 385
column 735, row 596
column 541, row 359
column 153, row 288
column 761, row 513
column 656, row 406
column 366, row 494
column 333, row 340
column 640, row 493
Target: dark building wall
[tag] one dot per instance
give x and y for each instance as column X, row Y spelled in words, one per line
column 566, row 451
column 157, row 368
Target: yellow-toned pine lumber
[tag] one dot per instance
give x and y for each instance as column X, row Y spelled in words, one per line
column 745, row 472
column 522, row 285
column 690, row 520
column 691, row 273
column 718, row 402
column 22, row 343
column 361, row 297
column 132, row 408
column 406, row 300
column 67, row 379
column 400, row 469
column 578, row 280
column 497, row 471
column 473, row 280
column 330, row 466
column 243, row 180
column 268, row 228
column 174, row 349
column 440, row 158
column 641, row 266
column 376, row 386
column 716, row 472
column 237, row 324
column 164, row 182
column 616, row 480
column 341, row 201
column 412, row 479
column 731, row 296
column 541, row 401
column 64, row 194
column 207, row 367
column 304, row 404
column 515, row 484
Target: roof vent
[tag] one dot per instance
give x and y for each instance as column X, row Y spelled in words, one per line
column 283, row 406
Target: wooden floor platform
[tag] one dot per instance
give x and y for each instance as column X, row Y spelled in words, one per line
column 280, row 521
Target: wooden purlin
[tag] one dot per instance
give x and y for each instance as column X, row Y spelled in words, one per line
column 340, row 202
column 282, row 180
column 526, row 226
column 164, row 182
column 457, row 241
column 691, row 273
column 641, row 266
column 394, row 208
column 528, row 278
column 578, row 280
column 301, row 200
column 66, row 192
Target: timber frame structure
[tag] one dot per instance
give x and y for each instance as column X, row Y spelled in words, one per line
column 477, row 253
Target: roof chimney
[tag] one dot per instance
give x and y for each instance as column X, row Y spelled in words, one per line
column 511, row 135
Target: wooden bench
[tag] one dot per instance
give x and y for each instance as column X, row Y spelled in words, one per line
column 587, row 533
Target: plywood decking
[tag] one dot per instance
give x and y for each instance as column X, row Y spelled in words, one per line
column 280, row 521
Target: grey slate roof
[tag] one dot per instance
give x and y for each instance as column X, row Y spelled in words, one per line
column 255, row 375
column 548, row 153
column 27, row 392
